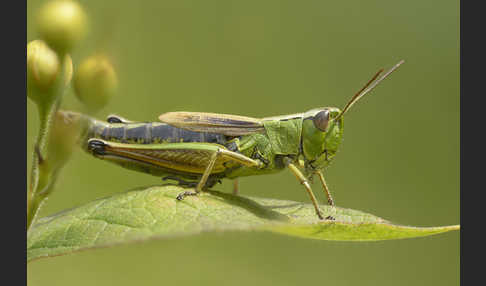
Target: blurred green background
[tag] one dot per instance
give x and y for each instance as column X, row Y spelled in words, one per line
column 399, row 159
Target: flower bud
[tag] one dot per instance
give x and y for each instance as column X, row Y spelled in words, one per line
column 43, row 68
column 62, row 24
column 95, row 82
column 42, row 64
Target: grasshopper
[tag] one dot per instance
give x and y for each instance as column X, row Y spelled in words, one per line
column 199, row 149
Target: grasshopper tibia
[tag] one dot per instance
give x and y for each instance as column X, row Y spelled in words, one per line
column 298, row 174
column 204, row 178
column 187, row 184
column 180, row 182
column 330, row 201
column 220, row 152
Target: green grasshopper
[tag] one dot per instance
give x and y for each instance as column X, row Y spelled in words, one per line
column 199, row 149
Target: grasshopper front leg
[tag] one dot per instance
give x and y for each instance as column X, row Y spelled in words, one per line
column 330, row 201
column 298, row 174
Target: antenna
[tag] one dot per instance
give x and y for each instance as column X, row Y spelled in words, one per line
column 368, row 87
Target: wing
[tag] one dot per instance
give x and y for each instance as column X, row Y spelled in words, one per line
column 230, row 125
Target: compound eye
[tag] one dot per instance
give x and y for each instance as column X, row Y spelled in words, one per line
column 321, row 120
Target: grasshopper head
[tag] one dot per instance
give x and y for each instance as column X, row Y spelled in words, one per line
column 322, row 128
column 322, row 133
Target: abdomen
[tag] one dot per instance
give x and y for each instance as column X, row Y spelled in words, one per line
column 150, row 133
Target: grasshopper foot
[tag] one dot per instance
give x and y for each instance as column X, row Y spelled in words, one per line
column 182, row 195
column 329, row 218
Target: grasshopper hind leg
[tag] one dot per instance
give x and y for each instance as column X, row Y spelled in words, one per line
column 188, row 184
column 209, row 184
column 180, row 182
column 206, row 176
column 204, row 179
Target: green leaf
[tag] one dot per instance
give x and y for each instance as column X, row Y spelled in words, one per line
column 154, row 212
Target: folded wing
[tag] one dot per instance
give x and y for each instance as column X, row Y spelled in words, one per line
column 230, row 125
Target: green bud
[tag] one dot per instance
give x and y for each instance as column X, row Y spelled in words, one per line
column 62, row 24
column 43, row 69
column 95, row 82
column 42, row 64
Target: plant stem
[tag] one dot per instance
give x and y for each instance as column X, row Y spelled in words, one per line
column 40, row 169
column 42, row 176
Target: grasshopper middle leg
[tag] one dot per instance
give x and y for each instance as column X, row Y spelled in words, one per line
column 330, row 201
column 235, row 187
